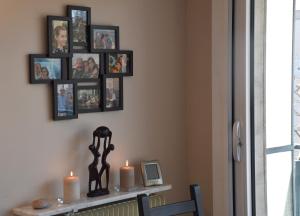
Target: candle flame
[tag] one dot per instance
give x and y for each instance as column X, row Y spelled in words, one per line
column 71, row 173
column 127, row 163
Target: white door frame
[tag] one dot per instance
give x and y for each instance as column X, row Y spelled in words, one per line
column 222, row 120
column 241, row 106
column 221, row 107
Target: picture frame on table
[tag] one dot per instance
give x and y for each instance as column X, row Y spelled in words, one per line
column 65, row 100
column 85, row 66
column 119, row 62
column 81, row 20
column 44, row 69
column 112, row 91
column 104, row 38
column 89, row 97
column 59, row 36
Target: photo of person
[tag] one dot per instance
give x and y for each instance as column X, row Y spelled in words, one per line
column 118, row 63
column 104, row 39
column 112, row 92
column 44, row 73
column 79, row 24
column 85, row 66
column 60, row 44
column 88, row 98
column 44, row 69
column 65, row 100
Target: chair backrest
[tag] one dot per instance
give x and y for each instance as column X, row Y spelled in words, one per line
column 194, row 205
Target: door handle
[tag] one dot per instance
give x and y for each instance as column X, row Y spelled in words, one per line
column 236, row 141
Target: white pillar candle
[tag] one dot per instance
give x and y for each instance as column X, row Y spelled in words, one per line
column 127, row 177
column 71, row 188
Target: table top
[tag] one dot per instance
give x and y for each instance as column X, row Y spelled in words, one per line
column 87, row 202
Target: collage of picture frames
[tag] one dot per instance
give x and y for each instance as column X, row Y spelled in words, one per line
column 84, row 65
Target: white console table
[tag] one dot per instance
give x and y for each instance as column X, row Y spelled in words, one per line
column 86, row 202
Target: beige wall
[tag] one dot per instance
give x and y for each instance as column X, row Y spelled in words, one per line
column 37, row 152
column 198, row 97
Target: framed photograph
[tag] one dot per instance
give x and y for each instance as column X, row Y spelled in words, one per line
column 44, row 69
column 85, row 66
column 81, row 20
column 65, row 99
column 59, row 34
column 119, row 62
column 88, row 98
column 151, row 173
column 104, row 38
column 112, row 88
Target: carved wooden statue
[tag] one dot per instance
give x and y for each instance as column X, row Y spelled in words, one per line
column 93, row 170
column 94, row 175
column 105, row 166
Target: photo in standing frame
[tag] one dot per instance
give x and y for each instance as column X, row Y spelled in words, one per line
column 84, row 66
column 89, row 98
column 58, row 36
column 113, row 92
column 65, row 100
column 81, row 19
column 120, row 62
column 104, row 38
column 44, row 69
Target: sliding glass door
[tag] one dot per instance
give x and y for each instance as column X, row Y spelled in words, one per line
column 274, row 173
column 266, row 95
column 266, row 107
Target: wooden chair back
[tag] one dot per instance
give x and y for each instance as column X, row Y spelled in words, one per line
column 191, row 206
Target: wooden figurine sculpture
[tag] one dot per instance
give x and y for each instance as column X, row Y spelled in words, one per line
column 100, row 133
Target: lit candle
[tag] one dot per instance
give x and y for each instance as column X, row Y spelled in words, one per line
column 127, row 177
column 71, row 188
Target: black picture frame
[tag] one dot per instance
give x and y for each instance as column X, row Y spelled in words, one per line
column 51, row 49
column 105, row 105
column 82, row 46
column 129, row 66
column 83, row 79
column 32, row 76
column 56, row 115
column 102, row 27
column 88, row 86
